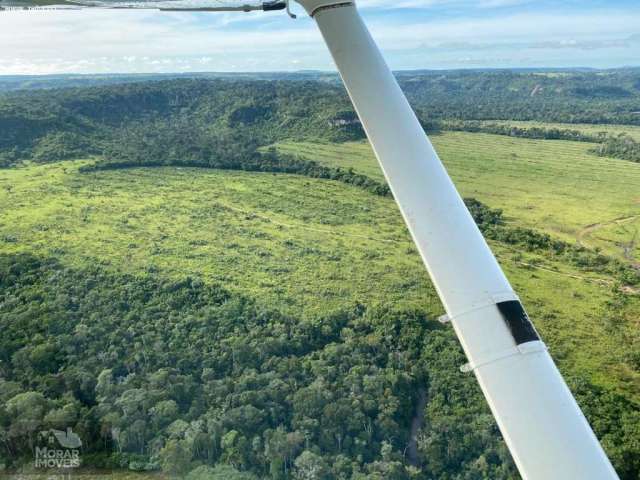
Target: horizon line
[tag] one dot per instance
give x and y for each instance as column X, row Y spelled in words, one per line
column 332, row 72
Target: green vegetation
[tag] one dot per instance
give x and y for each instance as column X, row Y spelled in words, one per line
column 616, row 145
column 622, row 146
column 558, row 187
column 80, row 122
column 312, row 248
column 176, row 144
column 293, row 234
column 609, row 97
column 74, row 122
column 586, row 129
column 216, row 283
column 539, row 131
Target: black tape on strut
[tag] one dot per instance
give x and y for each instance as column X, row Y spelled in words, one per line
column 518, row 321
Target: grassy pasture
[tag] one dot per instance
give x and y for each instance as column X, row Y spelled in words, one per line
column 550, row 185
column 302, row 245
column 588, row 128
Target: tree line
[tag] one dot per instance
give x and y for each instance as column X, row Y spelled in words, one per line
column 616, row 146
column 620, row 146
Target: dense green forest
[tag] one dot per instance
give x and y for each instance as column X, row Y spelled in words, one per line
column 34, row 124
column 570, row 97
column 73, row 123
column 197, row 375
column 159, row 371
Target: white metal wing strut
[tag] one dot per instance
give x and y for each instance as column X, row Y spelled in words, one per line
column 545, row 430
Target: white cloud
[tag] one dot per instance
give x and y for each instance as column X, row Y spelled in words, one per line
column 125, row 41
column 385, row 4
column 427, row 4
column 512, row 28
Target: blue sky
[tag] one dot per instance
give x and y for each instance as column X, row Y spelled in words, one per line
column 413, row 34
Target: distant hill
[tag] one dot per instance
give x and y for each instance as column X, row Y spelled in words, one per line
column 269, row 107
column 10, row 83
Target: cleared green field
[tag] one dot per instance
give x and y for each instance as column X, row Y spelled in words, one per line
column 549, row 185
column 587, row 128
column 298, row 244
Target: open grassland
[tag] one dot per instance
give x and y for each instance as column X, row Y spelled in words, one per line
column 550, row 185
column 586, row 128
column 302, row 245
